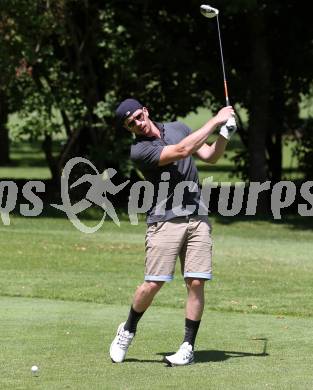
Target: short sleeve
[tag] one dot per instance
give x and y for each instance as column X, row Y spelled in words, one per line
column 146, row 154
column 181, row 128
column 187, row 130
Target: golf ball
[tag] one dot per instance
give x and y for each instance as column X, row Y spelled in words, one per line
column 34, row 369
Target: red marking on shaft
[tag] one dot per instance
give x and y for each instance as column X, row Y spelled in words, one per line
column 226, row 90
column 226, row 93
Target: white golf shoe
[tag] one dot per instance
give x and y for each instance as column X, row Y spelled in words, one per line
column 182, row 357
column 120, row 344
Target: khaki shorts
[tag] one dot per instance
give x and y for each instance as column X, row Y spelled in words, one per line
column 186, row 237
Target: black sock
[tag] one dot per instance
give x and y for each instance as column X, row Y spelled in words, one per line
column 191, row 330
column 132, row 321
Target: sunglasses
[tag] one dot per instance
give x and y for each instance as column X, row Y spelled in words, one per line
column 139, row 117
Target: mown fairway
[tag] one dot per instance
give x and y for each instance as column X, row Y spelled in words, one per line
column 63, row 293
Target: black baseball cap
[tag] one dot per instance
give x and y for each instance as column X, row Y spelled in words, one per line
column 125, row 109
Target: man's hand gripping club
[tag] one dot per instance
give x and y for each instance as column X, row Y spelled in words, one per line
column 229, row 128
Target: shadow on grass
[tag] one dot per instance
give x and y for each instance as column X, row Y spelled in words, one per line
column 229, row 168
column 26, row 164
column 28, row 154
column 289, row 218
column 214, row 168
column 292, row 221
column 210, row 355
column 220, row 356
column 132, row 360
column 203, row 356
column 95, row 213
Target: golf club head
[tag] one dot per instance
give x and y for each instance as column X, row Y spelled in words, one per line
column 208, row 12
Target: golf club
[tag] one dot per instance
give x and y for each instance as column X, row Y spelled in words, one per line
column 210, row 12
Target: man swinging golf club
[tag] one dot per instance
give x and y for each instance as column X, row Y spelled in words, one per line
column 164, row 152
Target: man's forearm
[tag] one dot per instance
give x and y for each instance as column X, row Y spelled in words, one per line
column 194, row 141
column 217, row 149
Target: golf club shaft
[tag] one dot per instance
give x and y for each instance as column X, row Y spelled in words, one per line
column 223, row 66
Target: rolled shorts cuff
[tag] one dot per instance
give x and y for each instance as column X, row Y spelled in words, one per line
column 158, row 278
column 200, row 275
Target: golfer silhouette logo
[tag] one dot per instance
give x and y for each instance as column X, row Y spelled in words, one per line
column 101, row 185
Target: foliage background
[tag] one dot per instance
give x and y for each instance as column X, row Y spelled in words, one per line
column 66, row 64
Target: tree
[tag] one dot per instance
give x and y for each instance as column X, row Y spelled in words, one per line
column 8, row 44
column 85, row 56
column 4, row 134
column 272, row 66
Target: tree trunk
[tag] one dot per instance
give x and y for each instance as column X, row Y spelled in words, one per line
column 4, row 132
column 274, row 139
column 259, row 110
column 52, row 163
column 274, row 148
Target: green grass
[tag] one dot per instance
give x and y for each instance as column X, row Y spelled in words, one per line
column 63, row 293
column 27, row 162
column 69, row 343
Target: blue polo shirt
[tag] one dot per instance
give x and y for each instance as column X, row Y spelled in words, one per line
column 179, row 198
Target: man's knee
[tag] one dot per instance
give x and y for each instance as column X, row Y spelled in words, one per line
column 195, row 284
column 151, row 287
